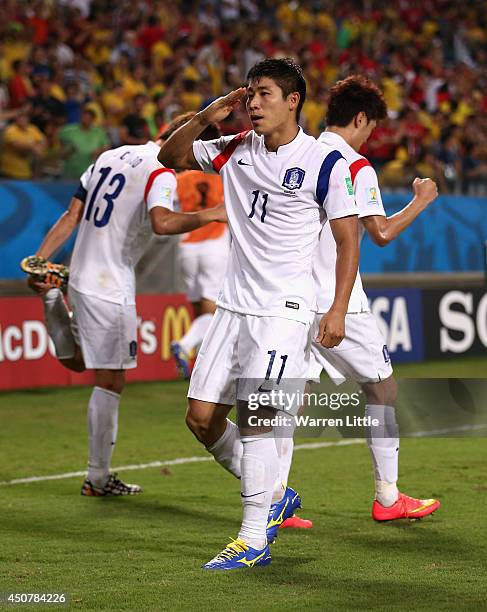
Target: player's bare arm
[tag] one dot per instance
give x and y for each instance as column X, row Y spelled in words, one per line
column 332, row 324
column 166, row 222
column 56, row 237
column 177, row 151
column 382, row 230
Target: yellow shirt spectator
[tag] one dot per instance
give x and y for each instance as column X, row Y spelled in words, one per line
column 22, row 141
column 314, row 112
column 13, row 51
column 392, row 94
column 462, row 112
column 132, row 87
column 98, row 53
column 114, row 106
column 58, row 92
column 192, row 100
column 326, row 22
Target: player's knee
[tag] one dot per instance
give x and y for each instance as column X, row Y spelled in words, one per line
column 110, row 380
column 390, row 391
column 197, row 424
column 207, row 423
column 383, row 393
column 73, row 364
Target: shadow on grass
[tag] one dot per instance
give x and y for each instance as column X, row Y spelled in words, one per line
column 289, row 579
column 107, row 519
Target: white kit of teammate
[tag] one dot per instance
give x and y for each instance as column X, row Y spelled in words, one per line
column 362, row 355
column 355, row 105
column 121, row 198
column 119, row 191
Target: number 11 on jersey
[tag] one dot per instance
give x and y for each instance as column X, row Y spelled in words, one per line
column 265, row 197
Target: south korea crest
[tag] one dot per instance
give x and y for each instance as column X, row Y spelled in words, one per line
column 293, row 179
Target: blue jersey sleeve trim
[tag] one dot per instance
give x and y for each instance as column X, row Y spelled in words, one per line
column 80, row 193
column 324, row 175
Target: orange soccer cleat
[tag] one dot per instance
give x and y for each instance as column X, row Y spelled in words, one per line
column 294, row 522
column 405, row 507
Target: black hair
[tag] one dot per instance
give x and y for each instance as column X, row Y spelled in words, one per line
column 287, row 75
column 349, row 97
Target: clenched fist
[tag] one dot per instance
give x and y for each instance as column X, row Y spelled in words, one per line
column 425, row 190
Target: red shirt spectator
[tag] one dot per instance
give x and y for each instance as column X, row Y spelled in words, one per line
column 150, row 34
column 19, row 86
column 40, row 27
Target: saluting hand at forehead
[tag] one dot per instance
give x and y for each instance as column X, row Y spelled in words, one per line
column 223, row 106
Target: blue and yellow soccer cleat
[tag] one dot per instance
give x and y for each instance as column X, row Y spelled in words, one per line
column 281, row 511
column 237, row 555
column 182, row 360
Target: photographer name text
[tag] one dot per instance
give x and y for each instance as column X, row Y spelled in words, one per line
column 306, row 421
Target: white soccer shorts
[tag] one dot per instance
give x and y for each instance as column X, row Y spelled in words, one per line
column 106, row 332
column 361, row 356
column 261, row 353
column 203, row 265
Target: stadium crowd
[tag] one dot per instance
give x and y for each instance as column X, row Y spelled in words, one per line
column 79, row 76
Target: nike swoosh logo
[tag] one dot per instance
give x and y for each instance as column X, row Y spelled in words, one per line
column 261, row 390
column 253, row 495
column 242, row 163
column 252, row 562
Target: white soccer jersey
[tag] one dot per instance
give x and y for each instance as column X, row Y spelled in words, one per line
column 369, row 202
column 119, row 189
column 275, row 204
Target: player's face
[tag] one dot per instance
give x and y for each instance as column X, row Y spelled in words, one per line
column 268, row 109
column 367, row 129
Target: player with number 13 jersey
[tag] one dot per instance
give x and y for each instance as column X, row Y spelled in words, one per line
column 120, row 198
column 119, row 190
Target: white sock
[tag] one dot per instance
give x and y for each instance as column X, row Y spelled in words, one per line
column 195, row 334
column 58, row 323
column 260, row 466
column 102, row 431
column 284, row 445
column 228, row 449
column 383, row 442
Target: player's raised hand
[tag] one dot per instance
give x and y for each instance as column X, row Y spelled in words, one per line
column 38, row 286
column 425, row 190
column 332, row 329
column 220, row 109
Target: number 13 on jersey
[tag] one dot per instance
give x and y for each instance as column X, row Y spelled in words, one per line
column 117, row 182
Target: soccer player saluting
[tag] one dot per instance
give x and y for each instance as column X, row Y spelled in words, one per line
column 278, row 181
column 355, row 105
column 119, row 198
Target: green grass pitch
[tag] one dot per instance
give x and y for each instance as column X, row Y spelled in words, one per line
column 145, row 553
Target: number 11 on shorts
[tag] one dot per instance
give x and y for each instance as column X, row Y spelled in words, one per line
column 271, row 363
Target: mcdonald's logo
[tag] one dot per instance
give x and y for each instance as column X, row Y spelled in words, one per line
column 175, row 323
